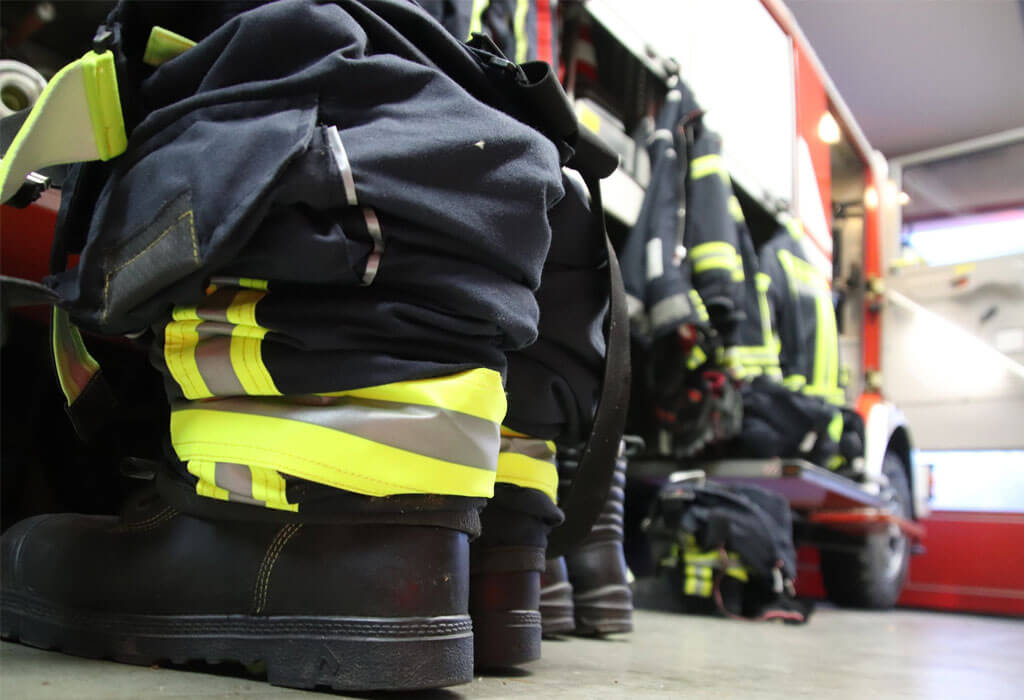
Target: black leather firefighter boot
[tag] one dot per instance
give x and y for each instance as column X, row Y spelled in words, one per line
column 506, row 565
column 602, row 599
column 556, row 608
column 375, row 599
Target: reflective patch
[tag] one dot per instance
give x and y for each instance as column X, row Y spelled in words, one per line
column 529, row 463
column 163, row 45
column 76, row 118
column 344, row 167
column 655, row 259
column 373, row 261
column 75, row 366
column 671, row 310
column 405, row 437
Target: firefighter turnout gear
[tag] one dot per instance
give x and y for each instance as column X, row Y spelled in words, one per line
column 335, row 328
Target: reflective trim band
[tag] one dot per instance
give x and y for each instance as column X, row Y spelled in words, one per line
column 476, row 18
column 795, row 228
column 835, row 427
column 762, row 281
column 241, row 483
column 76, row 118
column 736, row 210
column 795, row 382
column 671, row 310
column 322, row 455
column 180, row 342
column 718, row 262
column 206, row 472
column 655, row 259
column 698, row 580
column 661, row 134
column 431, row 431
column 711, row 164
column 373, row 261
column 75, row 366
column 634, row 306
column 163, row 45
column 344, row 167
column 476, row 392
column 697, row 358
column 216, row 349
column 244, row 282
column 698, row 304
column 713, row 248
column 529, row 463
column 418, row 436
column 522, row 43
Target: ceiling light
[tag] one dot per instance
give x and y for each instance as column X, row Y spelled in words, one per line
column 828, row 128
column 904, row 199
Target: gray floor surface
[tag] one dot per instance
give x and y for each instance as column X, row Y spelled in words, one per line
column 839, row 654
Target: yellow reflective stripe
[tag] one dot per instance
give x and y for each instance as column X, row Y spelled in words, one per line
column 250, row 283
column 795, row 228
column 697, row 358
column 269, row 486
column 710, row 164
column 795, row 382
column 737, row 572
column 698, row 305
column 713, row 248
column 737, row 273
column 180, row 341
column 320, row 454
column 206, row 472
column 835, row 427
column 735, row 209
column 163, row 45
column 522, row 8
column 508, row 432
column 247, row 361
column 529, row 473
column 717, row 262
column 247, row 344
column 76, row 118
column 476, row 392
column 476, row 18
column 104, row 104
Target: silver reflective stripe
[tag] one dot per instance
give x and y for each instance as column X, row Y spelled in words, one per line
column 655, row 264
column 429, row 431
column 528, row 447
column 236, row 479
column 634, row 306
column 671, row 309
column 213, row 359
column 660, row 135
column 341, row 158
column 373, row 261
column 215, row 308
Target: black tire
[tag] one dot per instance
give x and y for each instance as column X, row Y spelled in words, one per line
column 871, row 575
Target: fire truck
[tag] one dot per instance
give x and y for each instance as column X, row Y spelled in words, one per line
column 790, row 145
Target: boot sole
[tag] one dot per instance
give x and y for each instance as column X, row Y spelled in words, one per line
column 341, row 653
column 604, row 610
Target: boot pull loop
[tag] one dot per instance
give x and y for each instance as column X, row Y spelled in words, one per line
column 596, row 469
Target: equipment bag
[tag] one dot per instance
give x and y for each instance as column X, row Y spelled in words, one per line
column 727, row 550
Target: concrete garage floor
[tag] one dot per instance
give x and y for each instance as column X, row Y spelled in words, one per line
column 839, row 654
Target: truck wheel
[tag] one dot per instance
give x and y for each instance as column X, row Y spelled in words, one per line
column 872, row 574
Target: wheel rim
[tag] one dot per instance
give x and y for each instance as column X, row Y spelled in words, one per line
column 898, row 542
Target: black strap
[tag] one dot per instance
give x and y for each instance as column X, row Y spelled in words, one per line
column 596, row 470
